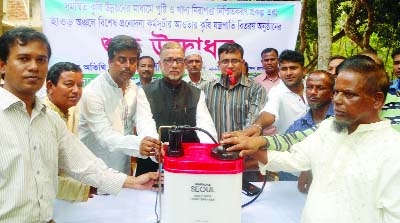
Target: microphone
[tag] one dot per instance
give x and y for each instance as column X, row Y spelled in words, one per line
column 232, row 79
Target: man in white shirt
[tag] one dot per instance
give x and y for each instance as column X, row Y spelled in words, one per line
column 286, row 101
column 35, row 142
column 354, row 157
column 171, row 101
column 194, row 67
column 108, row 108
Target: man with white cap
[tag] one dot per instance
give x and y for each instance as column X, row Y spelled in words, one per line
column 194, row 64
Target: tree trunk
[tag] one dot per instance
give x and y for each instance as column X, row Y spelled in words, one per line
column 1, row 17
column 302, row 26
column 324, row 33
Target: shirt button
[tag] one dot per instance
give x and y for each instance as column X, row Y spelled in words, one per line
column 41, row 197
column 34, row 148
column 38, row 172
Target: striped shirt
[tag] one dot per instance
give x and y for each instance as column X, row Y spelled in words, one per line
column 390, row 111
column 32, row 149
column 234, row 109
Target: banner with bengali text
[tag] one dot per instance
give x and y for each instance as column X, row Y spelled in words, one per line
column 79, row 31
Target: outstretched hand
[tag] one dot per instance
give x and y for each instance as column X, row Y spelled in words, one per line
column 144, row 181
column 251, row 131
column 149, row 146
column 248, row 146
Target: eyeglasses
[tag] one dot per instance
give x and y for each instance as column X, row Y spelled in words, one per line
column 171, row 61
column 232, row 61
column 124, row 60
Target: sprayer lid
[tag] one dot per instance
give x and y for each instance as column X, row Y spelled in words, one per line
column 197, row 160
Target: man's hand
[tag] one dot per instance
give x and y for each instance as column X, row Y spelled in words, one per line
column 149, row 146
column 144, row 181
column 251, row 131
column 304, row 181
column 248, row 146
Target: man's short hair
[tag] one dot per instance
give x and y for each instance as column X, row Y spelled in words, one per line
column 122, row 42
column 336, row 57
column 395, row 52
column 21, row 36
column 375, row 77
column 55, row 71
column 292, row 56
column 328, row 75
column 230, row 48
column 147, row 57
column 374, row 56
column 267, row 50
column 171, row 45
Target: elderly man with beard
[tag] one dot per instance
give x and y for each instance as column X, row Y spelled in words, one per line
column 319, row 93
column 171, row 101
column 354, row 157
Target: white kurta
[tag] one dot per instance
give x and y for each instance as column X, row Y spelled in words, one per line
column 356, row 176
column 107, row 119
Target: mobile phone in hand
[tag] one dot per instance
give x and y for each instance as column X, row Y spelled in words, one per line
column 250, row 189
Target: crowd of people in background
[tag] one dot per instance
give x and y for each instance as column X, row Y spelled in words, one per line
column 335, row 131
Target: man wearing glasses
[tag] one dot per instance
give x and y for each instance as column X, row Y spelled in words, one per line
column 171, row 101
column 234, row 101
column 108, row 107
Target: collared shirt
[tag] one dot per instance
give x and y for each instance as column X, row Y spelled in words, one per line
column 32, row 149
column 107, row 119
column 146, row 125
column 204, row 78
column 307, row 120
column 355, row 177
column 286, row 106
column 138, row 83
column 395, row 88
column 71, row 119
column 390, row 111
column 234, row 109
column 68, row 188
column 267, row 82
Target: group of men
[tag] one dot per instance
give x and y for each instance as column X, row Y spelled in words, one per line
column 118, row 120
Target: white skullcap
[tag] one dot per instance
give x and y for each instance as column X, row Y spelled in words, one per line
column 190, row 52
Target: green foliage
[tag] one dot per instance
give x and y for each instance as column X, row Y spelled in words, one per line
column 384, row 38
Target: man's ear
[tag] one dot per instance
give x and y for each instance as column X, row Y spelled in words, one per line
column 304, row 71
column 2, row 66
column 49, row 87
column 379, row 100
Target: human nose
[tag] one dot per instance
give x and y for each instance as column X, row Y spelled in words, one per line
column 337, row 98
column 314, row 90
column 75, row 88
column 33, row 65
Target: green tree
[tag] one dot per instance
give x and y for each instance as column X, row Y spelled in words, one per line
column 357, row 25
